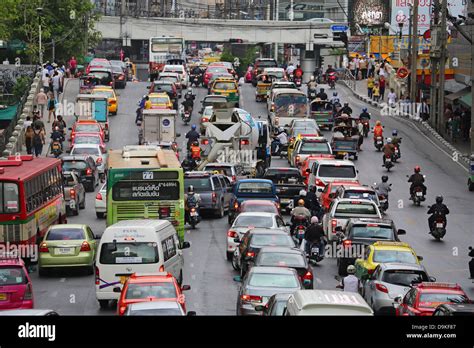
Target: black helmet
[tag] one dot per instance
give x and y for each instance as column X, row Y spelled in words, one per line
column 191, row 189
column 439, row 199
column 322, row 90
column 384, row 178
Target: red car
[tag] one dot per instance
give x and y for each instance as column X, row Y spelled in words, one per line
column 160, row 286
column 16, row 290
column 423, row 298
column 86, row 126
column 329, row 192
column 213, row 70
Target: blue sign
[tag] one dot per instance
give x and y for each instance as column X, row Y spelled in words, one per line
column 339, row 28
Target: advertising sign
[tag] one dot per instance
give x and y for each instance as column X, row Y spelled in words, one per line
column 370, row 12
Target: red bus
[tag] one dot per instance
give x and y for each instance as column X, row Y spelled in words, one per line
column 31, row 198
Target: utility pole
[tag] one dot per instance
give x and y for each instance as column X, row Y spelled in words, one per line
column 277, row 5
column 442, row 67
column 434, row 59
column 472, row 89
column 414, row 52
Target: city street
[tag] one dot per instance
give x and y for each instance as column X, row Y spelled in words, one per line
column 213, row 291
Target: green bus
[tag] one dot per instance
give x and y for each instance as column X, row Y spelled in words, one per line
column 145, row 182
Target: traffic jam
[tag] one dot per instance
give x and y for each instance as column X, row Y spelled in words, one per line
column 286, row 184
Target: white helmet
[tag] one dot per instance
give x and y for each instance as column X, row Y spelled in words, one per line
column 303, row 193
column 389, row 140
column 314, row 220
column 351, row 269
column 311, row 78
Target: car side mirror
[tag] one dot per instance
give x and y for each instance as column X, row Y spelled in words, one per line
column 420, row 258
column 400, row 232
column 432, row 279
column 398, row 300
column 185, row 245
column 259, row 308
column 117, row 290
column 185, row 287
column 237, row 240
column 191, row 314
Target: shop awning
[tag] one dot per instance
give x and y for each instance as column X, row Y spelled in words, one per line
column 466, row 100
column 459, row 94
column 453, row 86
column 8, row 113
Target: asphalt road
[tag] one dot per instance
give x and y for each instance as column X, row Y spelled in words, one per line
column 213, row 291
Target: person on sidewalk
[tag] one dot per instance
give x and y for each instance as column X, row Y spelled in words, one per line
column 56, row 84
column 29, row 133
column 424, row 110
column 370, row 86
column 357, row 66
column 46, row 81
column 382, row 84
column 352, row 67
column 38, row 141
column 392, row 98
column 376, row 92
column 27, row 123
column 363, row 67
column 51, row 107
column 42, row 102
column 73, row 66
column 371, row 65
column 37, row 122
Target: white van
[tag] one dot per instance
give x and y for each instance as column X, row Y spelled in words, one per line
column 136, row 246
column 326, row 302
column 326, row 170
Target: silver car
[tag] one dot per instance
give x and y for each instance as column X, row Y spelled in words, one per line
column 260, row 283
column 95, row 152
column 156, row 308
column 390, row 280
column 101, row 202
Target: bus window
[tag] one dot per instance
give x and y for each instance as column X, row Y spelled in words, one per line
column 9, row 198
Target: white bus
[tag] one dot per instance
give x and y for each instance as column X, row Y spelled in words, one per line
column 162, row 49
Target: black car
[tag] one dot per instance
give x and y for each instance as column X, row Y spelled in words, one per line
column 360, row 232
column 103, row 76
column 257, row 238
column 275, row 305
column 454, row 309
column 289, row 182
column 85, row 168
column 119, row 77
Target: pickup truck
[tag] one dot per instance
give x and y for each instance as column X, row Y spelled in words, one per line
column 288, row 182
column 74, row 193
column 247, row 189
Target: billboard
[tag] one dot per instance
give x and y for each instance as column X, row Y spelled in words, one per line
column 401, row 13
column 369, row 12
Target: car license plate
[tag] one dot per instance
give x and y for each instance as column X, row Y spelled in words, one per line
column 419, row 194
column 312, row 95
column 379, row 142
column 193, row 213
column 64, row 251
column 300, row 233
column 285, row 201
column 123, row 279
column 72, row 204
column 439, row 225
column 3, row 297
column 314, row 250
column 388, row 160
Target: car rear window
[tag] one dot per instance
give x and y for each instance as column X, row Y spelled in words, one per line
column 129, row 253
column 372, row 232
column 87, row 128
column 255, row 221
column 308, row 148
column 159, row 100
column 404, row 277
column 168, row 78
column 429, row 300
column 349, row 208
column 273, row 280
column 215, row 69
column 225, row 85
column 261, row 240
column 360, row 194
column 280, row 259
column 85, row 151
column 255, row 187
column 154, row 289
column 71, row 165
column 333, row 171
column 278, row 176
column 383, row 256
column 227, row 171
column 199, row 184
column 267, row 64
column 261, row 208
column 156, row 312
column 287, row 99
column 66, row 234
column 87, row 140
column 162, row 87
column 12, row 275
column 108, row 94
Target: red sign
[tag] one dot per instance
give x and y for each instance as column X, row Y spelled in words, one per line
column 402, row 72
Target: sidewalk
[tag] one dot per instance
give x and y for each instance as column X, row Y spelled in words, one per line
column 461, row 147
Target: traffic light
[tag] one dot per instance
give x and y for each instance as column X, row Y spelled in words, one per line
column 321, row 61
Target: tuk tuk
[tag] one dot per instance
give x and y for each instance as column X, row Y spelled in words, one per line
column 93, row 107
column 345, row 138
column 470, row 181
column 264, row 83
column 322, row 112
column 158, row 128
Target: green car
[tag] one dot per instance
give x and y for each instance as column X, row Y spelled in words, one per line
column 71, row 245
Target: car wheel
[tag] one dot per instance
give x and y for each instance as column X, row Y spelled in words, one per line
column 104, row 304
column 221, row 212
column 100, row 215
column 229, row 256
column 83, row 204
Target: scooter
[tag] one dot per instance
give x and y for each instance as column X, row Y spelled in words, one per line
column 396, row 154
column 56, row 148
column 388, row 163
column 332, row 80
column 300, row 223
column 378, row 143
column 186, row 116
column 195, row 80
column 314, row 256
column 297, row 81
column 366, row 125
column 312, row 94
column 417, row 197
column 194, row 217
column 283, row 149
column 438, row 229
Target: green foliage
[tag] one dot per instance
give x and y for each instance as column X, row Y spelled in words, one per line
column 21, row 86
column 227, row 56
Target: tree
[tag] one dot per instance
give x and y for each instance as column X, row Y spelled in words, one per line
column 227, row 56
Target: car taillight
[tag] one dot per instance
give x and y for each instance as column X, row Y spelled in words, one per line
column 297, row 160
column 347, row 243
column 370, row 271
column 333, row 225
column 205, row 142
column 381, row 288
column 236, row 205
column 319, row 183
column 273, row 108
column 97, row 276
column 98, row 196
column 164, row 212
column 251, row 298
column 72, row 192
column 112, row 101
column 111, row 84
column 244, row 142
column 88, row 171
column 214, row 197
column 193, row 210
column 308, row 276
column 73, row 136
column 232, row 234
column 85, row 246
column 204, row 119
column 43, row 248
column 234, row 178
column 250, row 254
column 99, row 160
column 122, row 310
column 121, row 77
column 28, row 293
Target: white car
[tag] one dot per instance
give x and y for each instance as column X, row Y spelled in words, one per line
column 181, row 71
column 101, row 202
column 232, row 171
column 329, row 170
column 246, row 221
column 95, row 152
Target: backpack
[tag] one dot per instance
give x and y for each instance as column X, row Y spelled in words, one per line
column 37, row 139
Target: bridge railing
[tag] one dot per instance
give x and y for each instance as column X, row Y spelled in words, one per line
column 346, row 75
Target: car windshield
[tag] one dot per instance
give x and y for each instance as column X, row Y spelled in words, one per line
column 290, row 99
column 225, row 85
column 217, row 69
column 154, row 289
column 103, row 76
column 87, row 128
column 255, row 187
column 333, row 171
column 430, row 300
column 357, row 194
column 308, row 148
column 12, row 275
column 177, row 70
column 129, row 253
column 108, row 94
column 168, row 78
column 94, row 151
column 273, row 280
column 254, row 221
column 383, row 256
column 261, row 240
column 260, row 208
column 199, row 184
column 372, row 232
column 71, row 165
column 404, row 277
column 280, row 259
column 267, row 64
column 65, row 234
column 353, row 208
column 227, row 171
column 156, row 312
column 159, row 100
column 117, row 69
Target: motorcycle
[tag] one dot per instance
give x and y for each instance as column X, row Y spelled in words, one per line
column 366, row 125
column 194, row 217
column 283, row 149
column 332, row 80
column 314, row 256
column 383, row 203
column 195, row 80
column 186, row 116
column 312, row 94
column 438, row 229
column 378, row 143
column 56, row 148
column 388, row 162
column 417, row 197
column 300, row 223
column 396, row 154
column 298, row 81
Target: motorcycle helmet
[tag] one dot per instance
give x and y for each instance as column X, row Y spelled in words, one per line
column 314, row 220
column 364, row 110
column 195, row 143
column 190, row 90
column 389, row 140
column 394, row 132
column 312, row 78
column 378, row 123
column 384, row 178
column 303, row 193
column 301, row 203
column 439, row 199
column 417, row 169
column 335, row 94
column 193, row 127
column 351, row 269
column 191, row 189
column 346, row 104
column 322, row 90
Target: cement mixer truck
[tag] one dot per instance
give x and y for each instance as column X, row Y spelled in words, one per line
column 234, row 136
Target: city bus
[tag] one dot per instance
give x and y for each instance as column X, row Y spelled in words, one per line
column 162, row 49
column 31, row 198
column 145, row 182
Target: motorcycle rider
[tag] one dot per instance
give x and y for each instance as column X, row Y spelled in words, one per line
column 396, row 141
column 314, row 234
column 322, row 95
column 346, row 109
column 196, row 71
column 298, row 73
column 350, row 283
column 335, row 99
column 188, row 104
column 195, row 150
column 192, row 200
column 192, row 136
column 60, row 123
column 417, row 180
column 188, row 163
column 290, row 69
column 300, row 210
column 388, row 150
column 365, row 115
column 313, row 202
column 383, row 188
column 436, row 210
column 280, row 140
column 329, row 70
column 378, row 130
column 311, row 85
column 58, row 136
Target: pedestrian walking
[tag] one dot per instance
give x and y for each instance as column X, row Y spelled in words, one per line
column 376, row 92
column 392, row 98
column 27, row 123
column 363, row 67
column 382, row 86
column 370, row 86
column 424, row 110
column 357, row 66
column 29, row 134
column 38, row 141
column 46, row 80
column 51, row 107
column 56, row 81
column 352, row 68
column 371, row 65
column 42, row 102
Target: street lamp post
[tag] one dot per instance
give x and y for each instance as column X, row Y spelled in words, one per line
column 400, row 26
column 39, row 10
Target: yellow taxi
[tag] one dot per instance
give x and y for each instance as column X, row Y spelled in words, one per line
column 160, row 101
column 227, row 87
column 112, row 97
column 383, row 252
column 294, row 140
